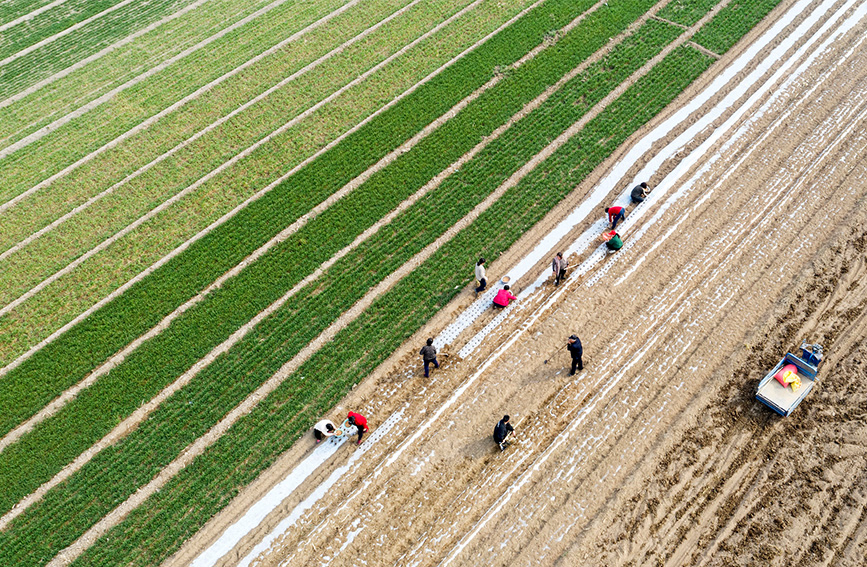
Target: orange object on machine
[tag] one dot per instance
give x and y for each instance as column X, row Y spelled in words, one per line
column 788, row 374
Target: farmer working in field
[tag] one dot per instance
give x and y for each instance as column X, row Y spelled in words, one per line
column 504, row 296
column 480, row 275
column 323, row 429
column 502, row 430
column 429, row 354
column 612, row 240
column 559, row 266
column 615, row 215
column 639, row 193
column 577, row 352
column 360, row 422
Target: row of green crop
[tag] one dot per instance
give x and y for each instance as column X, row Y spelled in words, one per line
column 156, row 529
column 49, row 23
column 223, row 384
column 686, row 12
column 78, row 87
column 68, row 359
column 186, row 165
column 270, row 277
column 732, row 23
column 77, row 45
column 102, row 273
column 14, row 9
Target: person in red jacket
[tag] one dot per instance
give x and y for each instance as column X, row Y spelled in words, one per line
column 615, row 215
column 504, row 296
column 360, row 422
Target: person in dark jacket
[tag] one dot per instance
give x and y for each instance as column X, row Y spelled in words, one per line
column 501, row 431
column 577, row 352
column 639, row 193
column 429, row 354
column 559, row 267
column 360, row 422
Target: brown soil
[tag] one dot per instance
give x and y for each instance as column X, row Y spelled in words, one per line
column 657, row 453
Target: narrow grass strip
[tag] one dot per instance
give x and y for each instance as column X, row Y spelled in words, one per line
column 157, row 528
column 686, row 12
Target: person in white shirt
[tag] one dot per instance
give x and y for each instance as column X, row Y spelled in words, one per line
column 480, row 275
column 324, row 429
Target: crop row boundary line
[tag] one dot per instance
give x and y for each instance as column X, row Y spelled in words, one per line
column 63, row 33
column 704, row 50
column 309, row 67
column 81, row 111
column 166, row 111
column 235, row 159
column 29, row 16
column 142, row 413
column 198, row 447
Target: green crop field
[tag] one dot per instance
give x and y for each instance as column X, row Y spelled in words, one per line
column 171, row 163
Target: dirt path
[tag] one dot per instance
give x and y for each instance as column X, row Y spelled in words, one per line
column 657, row 452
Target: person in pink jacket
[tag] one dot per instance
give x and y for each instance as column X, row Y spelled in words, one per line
column 504, row 296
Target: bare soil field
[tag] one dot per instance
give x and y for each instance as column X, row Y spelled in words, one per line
column 657, row 453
